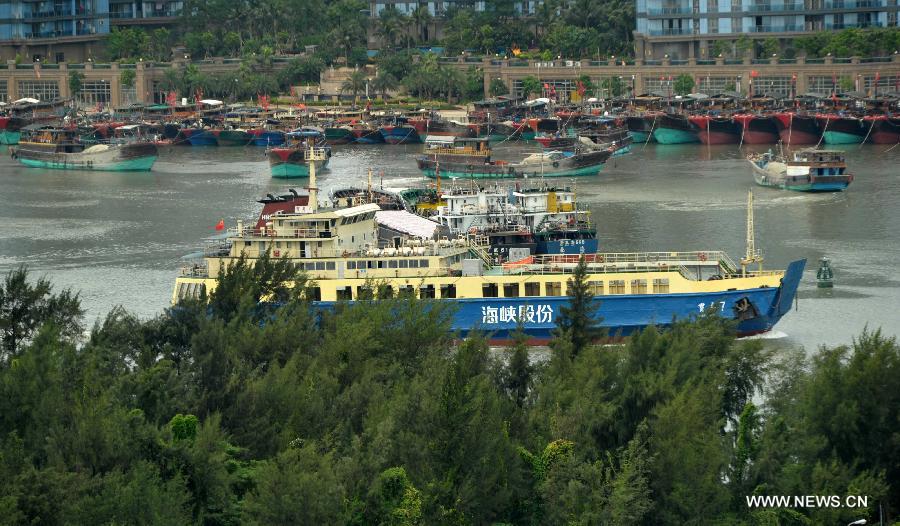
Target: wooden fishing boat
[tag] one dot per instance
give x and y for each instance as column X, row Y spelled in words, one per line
column 806, row 170
column 44, row 146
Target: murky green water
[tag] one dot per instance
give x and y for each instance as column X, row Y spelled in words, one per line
column 120, row 238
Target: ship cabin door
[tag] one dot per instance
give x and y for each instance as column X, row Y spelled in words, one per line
column 396, row 240
column 303, row 249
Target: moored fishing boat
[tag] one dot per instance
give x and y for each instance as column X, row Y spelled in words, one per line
column 365, row 133
column 292, row 159
column 841, row 129
column 44, row 146
column 200, row 137
column 400, row 133
column 716, row 130
column 885, row 129
column 806, row 170
column 335, row 135
column 518, row 221
column 232, row 137
column 673, row 128
column 266, row 137
column 641, row 126
column 797, row 128
column 757, row 129
column 345, row 259
column 10, row 129
column 471, row 159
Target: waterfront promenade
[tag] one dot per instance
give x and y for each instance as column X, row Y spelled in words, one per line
column 777, row 76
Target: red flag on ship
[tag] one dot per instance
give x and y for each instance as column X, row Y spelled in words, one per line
column 199, row 95
column 220, row 225
column 546, row 86
column 754, row 73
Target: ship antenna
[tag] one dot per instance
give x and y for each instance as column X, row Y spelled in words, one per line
column 752, row 255
column 370, row 184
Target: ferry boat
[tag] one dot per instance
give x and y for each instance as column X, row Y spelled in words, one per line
column 471, row 159
column 807, row 170
column 292, row 160
column 340, row 251
column 44, row 146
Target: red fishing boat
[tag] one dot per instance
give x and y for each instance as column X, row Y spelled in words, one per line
column 885, row 130
column 716, row 130
column 757, row 129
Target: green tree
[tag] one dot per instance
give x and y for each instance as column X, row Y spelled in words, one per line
column 355, row 83
column 498, row 87
column 577, row 321
column 126, row 78
column 384, row 83
column 421, row 17
column 531, row 86
column 26, row 308
column 769, row 47
column 683, row 84
column 613, row 86
column 743, row 45
column 76, row 81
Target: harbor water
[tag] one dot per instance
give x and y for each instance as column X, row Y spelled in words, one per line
column 120, row 238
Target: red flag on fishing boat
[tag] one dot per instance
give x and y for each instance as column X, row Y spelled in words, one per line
column 220, row 225
column 754, row 73
column 546, row 86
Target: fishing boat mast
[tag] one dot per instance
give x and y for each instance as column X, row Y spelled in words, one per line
column 314, row 155
column 753, row 255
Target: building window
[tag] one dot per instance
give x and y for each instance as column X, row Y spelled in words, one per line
column 343, row 293
column 94, row 93
column 639, row 286
column 661, row 286
column 314, row 293
column 596, row 287
column 510, row 290
column 617, row 286
column 364, row 292
column 713, row 25
column 712, row 85
column 489, row 290
column 553, row 288
column 426, row 291
column 774, row 86
column 448, row 291
column 532, row 289
column 4, row 91
column 39, row 89
column 385, row 292
column 406, row 291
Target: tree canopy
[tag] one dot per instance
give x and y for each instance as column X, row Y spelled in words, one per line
column 226, row 411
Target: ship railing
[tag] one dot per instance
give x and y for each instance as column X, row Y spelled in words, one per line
column 628, row 262
column 194, row 270
column 217, row 249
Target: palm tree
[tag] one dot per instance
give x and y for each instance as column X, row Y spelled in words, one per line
column 546, row 15
column 355, row 83
column 384, row 83
column 421, row 17
column 389, row 25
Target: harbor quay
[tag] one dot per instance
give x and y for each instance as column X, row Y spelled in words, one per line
column 776, row 76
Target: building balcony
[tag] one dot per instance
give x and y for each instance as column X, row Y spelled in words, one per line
column 671, row 32
column 860, row 25
column 777, row 8
column 778, row 29
column 670, row 11
column 854, row 4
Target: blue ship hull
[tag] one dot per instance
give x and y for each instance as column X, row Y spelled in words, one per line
column 203, row 138
column 269, row 138
column 622, row 315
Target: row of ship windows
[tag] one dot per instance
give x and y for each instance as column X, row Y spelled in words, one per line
column 364, row 264
column 493, row 290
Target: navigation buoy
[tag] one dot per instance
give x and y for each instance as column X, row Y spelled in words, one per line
column 825, row 275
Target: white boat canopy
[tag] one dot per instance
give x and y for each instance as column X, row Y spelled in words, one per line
column 211, row 102
column 406, row 222
column 439, row 139
column 28, row 100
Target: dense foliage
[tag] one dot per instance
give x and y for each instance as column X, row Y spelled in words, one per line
column 851, row 42
column 235, row 412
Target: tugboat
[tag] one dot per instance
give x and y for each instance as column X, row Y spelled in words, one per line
column 342, row 253
column 44, row 146
column 807, row 170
